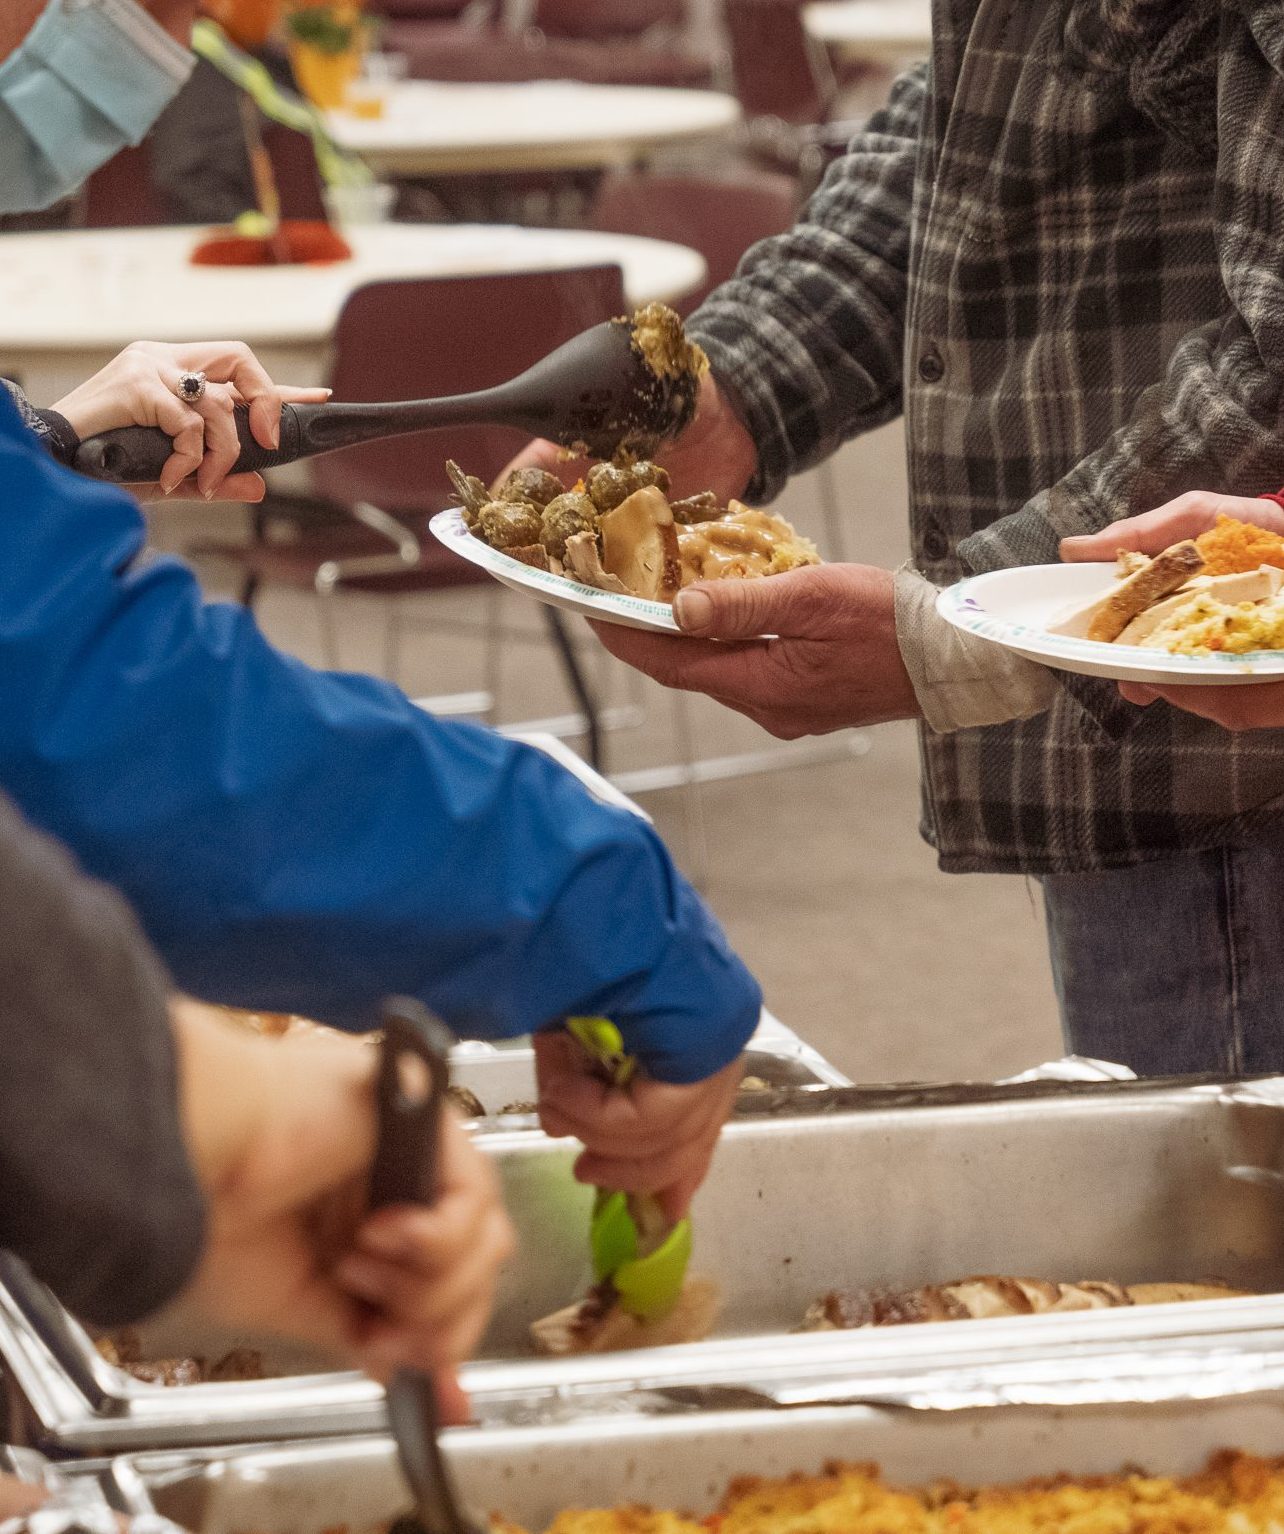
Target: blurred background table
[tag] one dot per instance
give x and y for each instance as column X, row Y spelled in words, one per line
column 872, row 31
column 431, row 128
column 69, row 301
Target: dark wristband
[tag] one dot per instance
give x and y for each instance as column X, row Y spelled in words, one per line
column 58, row 435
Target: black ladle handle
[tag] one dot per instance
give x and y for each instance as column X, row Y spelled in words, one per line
column 135, row 455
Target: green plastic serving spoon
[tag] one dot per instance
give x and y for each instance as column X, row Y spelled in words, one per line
column 633, row 1244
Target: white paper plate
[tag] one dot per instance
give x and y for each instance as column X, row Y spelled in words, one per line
column 1014, row 607
column 544, row 586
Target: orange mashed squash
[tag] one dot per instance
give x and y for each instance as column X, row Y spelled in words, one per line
column 1233, row 548
column 1235, row 1494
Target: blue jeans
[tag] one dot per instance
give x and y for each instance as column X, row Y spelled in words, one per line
column 1174, row 966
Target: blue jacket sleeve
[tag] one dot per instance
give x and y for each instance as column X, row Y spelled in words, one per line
column 305, row 841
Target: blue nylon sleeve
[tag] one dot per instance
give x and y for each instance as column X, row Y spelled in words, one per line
column 305, row 841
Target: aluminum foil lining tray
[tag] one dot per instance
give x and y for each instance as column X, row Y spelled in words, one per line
column 530, row 1474
column 1130, row 1181
column 503, row 1077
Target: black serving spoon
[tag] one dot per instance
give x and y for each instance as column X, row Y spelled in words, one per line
column 596, row 394
column 414, row 1072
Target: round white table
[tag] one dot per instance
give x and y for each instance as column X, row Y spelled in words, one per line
column 69, row 301
column 882, row 31
column 432, row 128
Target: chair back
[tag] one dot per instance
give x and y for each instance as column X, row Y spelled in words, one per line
column 426, row 337
column 122, row 194
column 593, row 19
column 719, row 218
column 779, row 70
column 421, row 10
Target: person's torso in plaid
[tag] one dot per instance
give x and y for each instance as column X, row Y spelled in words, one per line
column 1061, row 253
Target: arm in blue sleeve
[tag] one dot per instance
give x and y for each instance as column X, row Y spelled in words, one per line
column 306, row 841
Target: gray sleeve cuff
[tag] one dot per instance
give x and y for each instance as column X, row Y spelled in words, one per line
column 961, row 681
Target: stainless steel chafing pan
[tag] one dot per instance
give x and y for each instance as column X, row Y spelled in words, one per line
column 529, row 1474
column 1130, row 1181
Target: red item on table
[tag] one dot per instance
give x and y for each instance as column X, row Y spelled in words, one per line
column 297, row 242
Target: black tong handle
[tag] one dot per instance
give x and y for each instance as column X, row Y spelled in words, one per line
column 414, row 1072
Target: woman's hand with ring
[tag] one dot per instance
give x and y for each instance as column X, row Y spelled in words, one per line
column 140, row 387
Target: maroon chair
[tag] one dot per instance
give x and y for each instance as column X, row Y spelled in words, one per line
column 122, row 194
column 598, row 19
column 456, row 52
column 719, row 218
column 365, row 528
column 426, row 10
column 779, row 71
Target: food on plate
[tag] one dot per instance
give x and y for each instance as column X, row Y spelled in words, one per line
column 599, row 1324
column 1221, row 592
column 658, row 333
column 1235, row 1493
column 988, row 1296
column 124, row 1350
column 619, row 531
column 1231, row 547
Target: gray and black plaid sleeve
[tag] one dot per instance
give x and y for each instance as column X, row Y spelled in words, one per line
column 1215, row 421
column 808, row 337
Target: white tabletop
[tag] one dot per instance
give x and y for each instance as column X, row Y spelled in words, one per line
column 69, row 301
column 873, row 29
column 435, row 128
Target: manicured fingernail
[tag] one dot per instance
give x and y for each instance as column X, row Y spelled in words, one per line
column 208, row 494
column 693, row 610
column 276, row 434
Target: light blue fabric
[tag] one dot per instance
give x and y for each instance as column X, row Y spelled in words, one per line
column 89, row 78
column 1173, row 967
column 303, row 841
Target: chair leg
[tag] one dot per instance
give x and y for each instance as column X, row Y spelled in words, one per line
column 249, row 591
column 697, row 833
column 493, row 650
column 392, row 642
column 831, row 511
column 329, row 628
column 579, row 685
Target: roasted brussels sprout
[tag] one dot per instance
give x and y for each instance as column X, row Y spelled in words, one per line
column 509, row 524
column 537, row 486
column 608, row 485
column 568, row 514
column 471, row 494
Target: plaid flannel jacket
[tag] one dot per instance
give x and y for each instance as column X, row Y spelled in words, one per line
column 1059, row 251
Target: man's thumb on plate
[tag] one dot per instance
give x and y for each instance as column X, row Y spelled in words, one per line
column 728, row 609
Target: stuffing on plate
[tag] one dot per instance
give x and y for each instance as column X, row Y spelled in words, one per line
column 1235, row 1493
column 1220, row 593
column 618, row 530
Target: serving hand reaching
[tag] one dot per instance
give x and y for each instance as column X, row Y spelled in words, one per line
column 143, row 386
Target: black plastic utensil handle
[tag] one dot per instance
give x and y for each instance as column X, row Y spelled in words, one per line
column 414, row 1072
column 135, row 455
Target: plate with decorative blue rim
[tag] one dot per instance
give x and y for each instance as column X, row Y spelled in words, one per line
column 546, row 586
column 1014, row 608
